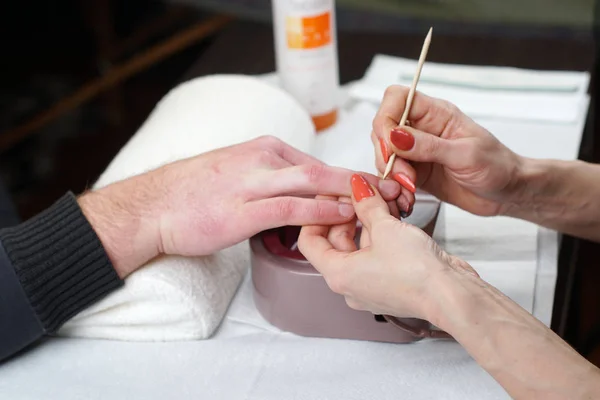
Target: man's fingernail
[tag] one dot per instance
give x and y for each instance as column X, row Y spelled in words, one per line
column 405, row 181
column 346, row 210
column 361, row 188
column 403, row 214
column 401, row 139
column 384, row 150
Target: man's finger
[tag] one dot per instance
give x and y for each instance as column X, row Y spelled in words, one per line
column 312, row 180
column 296, row 211
column 342, row 236
column 287, row 152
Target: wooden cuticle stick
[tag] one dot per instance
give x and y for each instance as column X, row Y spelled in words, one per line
column 411, row 95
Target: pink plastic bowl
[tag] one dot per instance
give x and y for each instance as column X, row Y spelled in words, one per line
column 291, row 295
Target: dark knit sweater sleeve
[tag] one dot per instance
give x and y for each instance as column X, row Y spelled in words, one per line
column 51, row 267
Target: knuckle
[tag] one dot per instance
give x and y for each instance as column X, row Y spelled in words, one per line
column 338, row 283
column 453, row 110
column 431, row 146
column 319, row 212
column 442, row 110
column 314, row 173
column 393, row 90
column 353, row 304
column 453, row 115
column 283, row 210
column 379, row 226
column 384, row 228
column 269, row 141
column 263, row 156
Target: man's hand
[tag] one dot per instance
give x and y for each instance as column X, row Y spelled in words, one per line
column 203, row 204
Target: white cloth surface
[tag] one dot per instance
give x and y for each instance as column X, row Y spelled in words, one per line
column 490, row 92
column 249, row 359
column 254, row 365
column 177, row 298
column 347, row 144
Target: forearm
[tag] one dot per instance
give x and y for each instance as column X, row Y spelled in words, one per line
column 51, row 267
column 521, row 353
column 71, row 255
column 561, row 195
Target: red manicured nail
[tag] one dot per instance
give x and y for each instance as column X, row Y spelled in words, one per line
column 402, row 140
column 384, row 150
column 405, row 181
column 361, row 188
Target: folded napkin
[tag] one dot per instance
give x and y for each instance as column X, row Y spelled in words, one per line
column 484, row 91
column 178, row 298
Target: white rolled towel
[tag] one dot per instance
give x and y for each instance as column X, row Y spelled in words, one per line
column 183, row 298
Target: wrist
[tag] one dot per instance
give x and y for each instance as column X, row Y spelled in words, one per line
column 125, row 220
column 518, row 193
column 520, row 352
column 448, row 298
column 531, row 185
column 542, row 191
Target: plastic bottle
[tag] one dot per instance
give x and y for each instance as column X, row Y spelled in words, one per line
column 306, row 55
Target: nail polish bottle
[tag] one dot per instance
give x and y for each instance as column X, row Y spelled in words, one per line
column 306, row 56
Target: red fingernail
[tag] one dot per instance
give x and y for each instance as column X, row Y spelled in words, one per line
column 401, row 139
column 384, row 150
column 361, row 188
column 405, row 181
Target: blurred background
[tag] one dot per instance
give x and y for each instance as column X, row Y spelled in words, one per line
column 79, row 77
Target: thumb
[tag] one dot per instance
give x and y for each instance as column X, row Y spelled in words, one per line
column 368, row 203
column 415, row 145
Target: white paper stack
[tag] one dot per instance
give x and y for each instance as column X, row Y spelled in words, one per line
column 488, row 92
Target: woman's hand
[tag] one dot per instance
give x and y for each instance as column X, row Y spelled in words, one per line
column 446, row 153
column 393, row 272
column 400, row 271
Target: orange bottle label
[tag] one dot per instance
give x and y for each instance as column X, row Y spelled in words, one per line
column 308, row 32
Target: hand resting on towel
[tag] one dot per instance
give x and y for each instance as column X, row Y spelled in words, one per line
column 200, row 205
column 192, row 207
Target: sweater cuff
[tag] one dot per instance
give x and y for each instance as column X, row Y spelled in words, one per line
column 60, row 262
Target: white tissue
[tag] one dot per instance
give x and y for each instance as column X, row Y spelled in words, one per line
column 484, row 91
column 177, row 298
